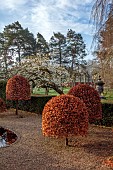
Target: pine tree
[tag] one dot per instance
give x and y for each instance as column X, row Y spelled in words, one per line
column 42, row 46
column 19, row 41
column 6, row 60
column 75, row 50
column 57, row 46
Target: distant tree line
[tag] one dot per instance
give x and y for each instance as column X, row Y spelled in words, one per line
column 18, row 46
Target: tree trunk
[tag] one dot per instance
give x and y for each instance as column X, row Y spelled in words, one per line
column 16, row 107
column 56, row 88
column 53, row 86
column 66, row 141
column 46, row 91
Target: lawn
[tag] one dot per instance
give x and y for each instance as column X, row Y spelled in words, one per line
column 108, row 94
column 51, row 91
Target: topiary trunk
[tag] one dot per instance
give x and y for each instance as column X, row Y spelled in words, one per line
column 16, row 107
column 66, row 141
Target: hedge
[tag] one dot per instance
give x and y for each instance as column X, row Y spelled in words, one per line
column 35, row 104
column 3, row 89
column 107, row 114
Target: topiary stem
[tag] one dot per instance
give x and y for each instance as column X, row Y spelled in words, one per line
column 16, row 107
column 66, row 142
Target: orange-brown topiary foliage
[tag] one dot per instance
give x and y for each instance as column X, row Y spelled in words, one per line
column 63, row 116
column 91, row 98
column 17, row 88
column 2, row 106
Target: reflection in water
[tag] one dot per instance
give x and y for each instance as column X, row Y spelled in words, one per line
column 3, row 137
column 7, row 137
column 2, row 142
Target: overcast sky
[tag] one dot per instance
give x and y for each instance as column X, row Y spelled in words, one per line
column 48, row 16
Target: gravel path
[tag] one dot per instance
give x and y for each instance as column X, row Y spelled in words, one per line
column 33, row 151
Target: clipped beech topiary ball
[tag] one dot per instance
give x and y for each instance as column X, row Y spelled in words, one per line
column 63, row 116
column 91, row 98
column 17, row 88
column 2, row 105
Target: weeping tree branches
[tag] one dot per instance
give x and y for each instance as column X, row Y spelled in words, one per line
column 102, row 10
column 102, row 14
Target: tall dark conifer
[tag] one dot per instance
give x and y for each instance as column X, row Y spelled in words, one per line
column 57, row 46
column 75, row 49
column 42, row 45
column 20, row 42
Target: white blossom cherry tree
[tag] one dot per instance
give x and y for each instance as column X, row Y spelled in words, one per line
column 41, row 72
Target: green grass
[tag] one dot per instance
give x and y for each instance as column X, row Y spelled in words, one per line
column 51, row 91
column 108, row 94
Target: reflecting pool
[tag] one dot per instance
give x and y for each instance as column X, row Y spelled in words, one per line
column 7, row 137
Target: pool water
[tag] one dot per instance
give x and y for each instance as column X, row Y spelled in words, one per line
column 7, row 137
column 2, row 142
